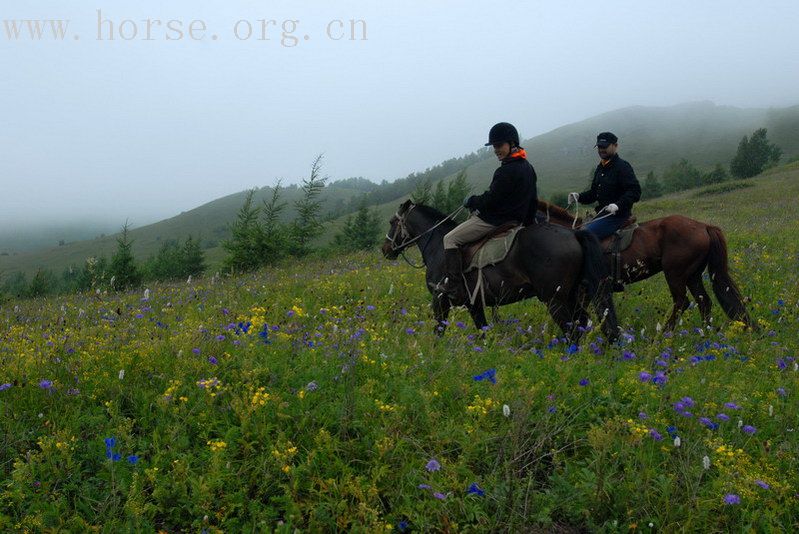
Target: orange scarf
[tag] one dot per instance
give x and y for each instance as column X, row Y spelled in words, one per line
column 519, row 154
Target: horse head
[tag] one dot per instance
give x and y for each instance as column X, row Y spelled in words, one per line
column 398, row 236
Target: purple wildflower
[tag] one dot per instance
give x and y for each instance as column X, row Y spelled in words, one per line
column 732, row 498
column 762, row 484
column 5, row 386
column 749, row 429
column 731, row 406
column 424, row 486
column 433, row 465
column 212, row 360
column 584, row 382
column 440, row 496
column 196, row 351
column 46, row 384
column 644, row 376
column 655, row 434
column 723, row 417
column 781, row 392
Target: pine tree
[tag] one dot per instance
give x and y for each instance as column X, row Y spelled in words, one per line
column 718, row 174
column 274, row 238
column 243, row 247
column 439, row 201
column 680, row 176
column 457, row 190
column 361, row 232
column 307, row 225
column 422, row 193
column 651, row 188
column 754, row 155
column 123, row 269
column 192, row 259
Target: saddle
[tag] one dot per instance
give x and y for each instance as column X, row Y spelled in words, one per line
column 614, row 244
column 490, row 249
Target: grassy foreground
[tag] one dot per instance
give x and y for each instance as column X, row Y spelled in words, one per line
column 316, row 397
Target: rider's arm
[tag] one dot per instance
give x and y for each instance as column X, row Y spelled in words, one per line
column 631, row 187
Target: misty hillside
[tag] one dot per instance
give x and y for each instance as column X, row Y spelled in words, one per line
column 651, row 138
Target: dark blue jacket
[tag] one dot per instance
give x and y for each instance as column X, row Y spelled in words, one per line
column 614, row 183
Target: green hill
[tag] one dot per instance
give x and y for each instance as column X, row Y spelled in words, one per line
column 651, row 138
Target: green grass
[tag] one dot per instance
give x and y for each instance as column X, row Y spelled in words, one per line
column 331, row 424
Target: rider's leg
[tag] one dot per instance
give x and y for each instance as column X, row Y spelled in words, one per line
column 602, row 228
column 470, row 230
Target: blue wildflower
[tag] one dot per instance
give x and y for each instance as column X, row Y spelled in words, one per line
column 46, row 384
column 474, row 489
column 490, row 375
column 110, row 442
column 5, row 386
column 133, row 459
column 584, row 382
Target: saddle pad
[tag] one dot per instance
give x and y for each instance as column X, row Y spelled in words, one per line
column 626, row 236
column 493, row 251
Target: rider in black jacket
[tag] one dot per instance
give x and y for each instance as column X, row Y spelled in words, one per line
column 510, row 197
column 614, row 188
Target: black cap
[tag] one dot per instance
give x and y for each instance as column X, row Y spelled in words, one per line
column 606, row 138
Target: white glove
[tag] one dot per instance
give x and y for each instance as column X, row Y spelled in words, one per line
column 611, row 208
column 574, row 198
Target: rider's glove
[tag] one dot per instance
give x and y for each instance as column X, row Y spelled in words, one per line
column 611, row 208
column 574, row 198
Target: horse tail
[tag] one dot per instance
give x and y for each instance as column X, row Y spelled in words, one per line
column 595, row 281
column 724, row 287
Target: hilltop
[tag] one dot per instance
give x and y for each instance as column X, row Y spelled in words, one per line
column 652, row 138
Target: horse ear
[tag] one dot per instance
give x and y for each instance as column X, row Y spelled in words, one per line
column 405, row 205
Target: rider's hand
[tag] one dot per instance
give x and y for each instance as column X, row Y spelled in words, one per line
column 612, row 208
column 574, row 198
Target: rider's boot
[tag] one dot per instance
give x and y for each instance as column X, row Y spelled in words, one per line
column 452, row 284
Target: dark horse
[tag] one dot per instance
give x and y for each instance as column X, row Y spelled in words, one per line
column 561, row 267
column 681, row 248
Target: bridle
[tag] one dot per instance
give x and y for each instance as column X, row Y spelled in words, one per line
column 401, row 232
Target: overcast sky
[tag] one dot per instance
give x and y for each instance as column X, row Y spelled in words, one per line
column 144, row 129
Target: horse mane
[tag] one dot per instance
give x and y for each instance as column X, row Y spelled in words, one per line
column 430, row 211
column 555, row 211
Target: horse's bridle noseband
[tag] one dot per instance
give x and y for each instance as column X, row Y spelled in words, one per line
column 401, row 231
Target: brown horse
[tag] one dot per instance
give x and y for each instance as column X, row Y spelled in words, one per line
column 681, row 248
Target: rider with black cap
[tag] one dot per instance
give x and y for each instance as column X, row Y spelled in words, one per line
column 614, row 188
column 510, row 197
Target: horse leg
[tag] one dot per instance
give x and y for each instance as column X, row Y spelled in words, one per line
column 441, row 309
column 478, row 316
column 563, row 312
column 678, row 295
column 606, row 312
column 697, row 289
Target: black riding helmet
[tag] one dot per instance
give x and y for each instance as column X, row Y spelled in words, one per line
column 503, row 132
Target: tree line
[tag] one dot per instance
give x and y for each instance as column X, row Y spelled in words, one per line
column 755, row 154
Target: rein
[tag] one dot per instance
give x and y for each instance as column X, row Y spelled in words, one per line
column 577, row 216
column 401, row 226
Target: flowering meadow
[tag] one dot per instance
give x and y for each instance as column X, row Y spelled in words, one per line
column 317, row 397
